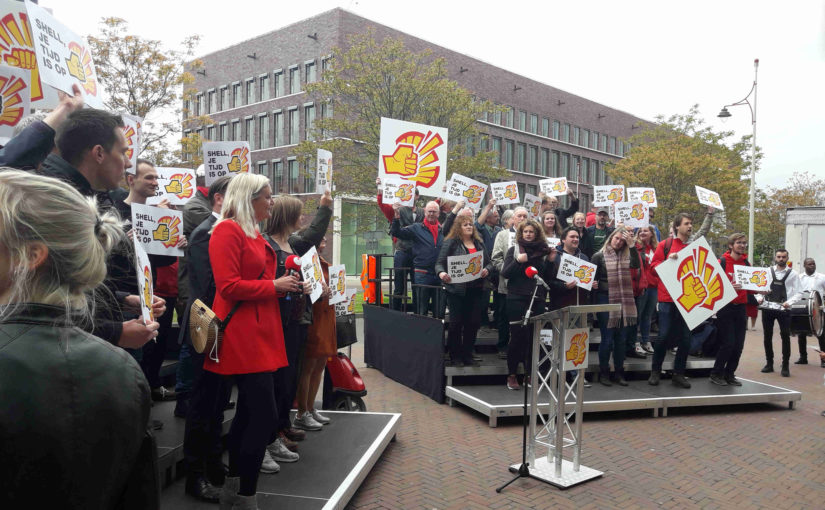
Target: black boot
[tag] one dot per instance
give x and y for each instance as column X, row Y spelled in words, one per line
column 803, row 360
column 604, row 377
column 620, row 379
column 786, row 372
column 768, row 368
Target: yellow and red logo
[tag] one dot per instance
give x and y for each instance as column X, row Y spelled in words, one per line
column 10, row 112
column 147, row 291
column 473, row 194
column 167, row 231
column 511, row 191
column 415, row 158
column 341, row 281
column 615, row 195
column 239, row 160
column 559, row 186
column 17, row 48
column 637, row 211
column 713, row 198
column 79, row 65
column 534, row 209
column 131, row 140
column 759, row 278
column 474, row 267
column 351, row 305
column 701, row 283
column 316, row 267
column 405, row 192
column 648, row 196
column 584, row 274
column 577, row 352
column 180, row 185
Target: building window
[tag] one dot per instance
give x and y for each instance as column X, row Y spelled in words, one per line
column 565, row 133
column 521, row 155
column 508, row 119
column 532, row 189
column 554, row 164
column 594, row 141
column 294, row 80
column 309, row 72
column 508, row 154
column 210, row 133
column 575, row 168
column 532, row 162
column 293, row 126
column 249, row 124
column 263, row 131
column 250, row 91
column 212, row 105
column 556, row 126
column 222, row 99
column 187, row 108
column 236, row 95
column 309, row 179
column 277, row 175
column 496, row 147
column 604, row 143
column 534, row 123
column 564, row 170
column 497, row 116
column 278, row 82
column 326, row 64
column 236, row 131
column 543, row 162
column 198, row 102
column 575, row 135
column 222, row 132
column 292, row 178
column 278, row 126
column 522, row 120
column 263, row 169
column 309, row 121
column 585, row 138
column 611, row 148
column 483, row 143
column 620, row 149
column 545, row 126
column 585, row 170
column 263, row 87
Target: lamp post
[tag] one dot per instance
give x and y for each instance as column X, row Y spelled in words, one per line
column 724, row 114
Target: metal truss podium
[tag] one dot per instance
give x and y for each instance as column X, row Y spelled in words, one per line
column 560, row 432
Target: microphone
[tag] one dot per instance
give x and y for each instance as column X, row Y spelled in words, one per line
column 533, row 273
column 293, row 268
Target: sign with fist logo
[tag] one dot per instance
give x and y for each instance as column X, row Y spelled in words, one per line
column 533, row 205
column 177, row 185
column 576, row 343
column 398, row 190
column 225, row 158
column 465, row 268
column 132, row 131
column 505, row 193
column 574, row 269
column 646, row 195
column 608, row 195
column 464, row 188
column 15, row 99
column 413, row 152
column 554, row 187
column 337, row 284
column 753, row 278
column 159, row 230
column 631, row 214
column 144, row 280
column 708, row 197
column 312, row 273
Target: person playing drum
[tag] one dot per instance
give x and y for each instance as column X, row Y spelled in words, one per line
column 810, row 281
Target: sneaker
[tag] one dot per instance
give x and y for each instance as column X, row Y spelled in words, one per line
column 587, row 384
column 161, row 394
column 503, row 355
column 654, row 378
column 674, row 350
column 680, row 381
column 640, row 351
column 648, row 347
column 768, row 368
column 280, row 453
column 306, row 422
column 289, row 443
column 718, row 380
column 320, row 418
column 512, row 383
column 294, row 434
column 732, row 380
column 268, row 465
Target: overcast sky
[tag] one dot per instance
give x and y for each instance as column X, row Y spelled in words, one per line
column 644, row 57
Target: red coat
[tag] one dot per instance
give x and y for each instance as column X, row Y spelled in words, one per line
column 254, row 340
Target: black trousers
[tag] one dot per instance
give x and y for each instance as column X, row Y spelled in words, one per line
column 252, row 428
column 286, row 378
column 154, row 352
column 732, row 325
column 465, row 319
column 520, row 348
column 802, row 340
column 784, row 320
column 202, row 447
column 500, row 318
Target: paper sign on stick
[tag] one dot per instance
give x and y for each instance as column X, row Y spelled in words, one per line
column 143, row 269
column 505, row 193
column 553, row 242
column 464, row 188
column 158, row 230
column 696, row 282
column 337, row 284
column 576, row 343
column 177, row 185
column 312, row 273
column 553, row 187
column 17, row 50
column 533, row 205
column 646, row 195
column 346, row 307
column 573, row 269
column 323, row 172
column 608, row 195
column 225, row 158
column 398, row 190
column 414, row 152
column 708, row 197
column 15, row 100
column 631, row 214
column 753, row 278
column 465, row 268
column 63, row 57
column 132, row 131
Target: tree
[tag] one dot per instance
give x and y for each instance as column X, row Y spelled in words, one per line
column 675, row 154
column 370, row 80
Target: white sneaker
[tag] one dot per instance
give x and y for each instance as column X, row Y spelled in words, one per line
column 279, row 452
column 648, row 347
column 269, row 466
column 320, row 418
column 306, row 422
column 639, row 350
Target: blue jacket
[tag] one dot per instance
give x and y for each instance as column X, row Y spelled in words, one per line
column 28, row 149
column 424, row 251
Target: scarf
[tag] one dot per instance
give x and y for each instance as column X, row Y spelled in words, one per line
column 619, row 289
column 534, row 249
column 433, row 228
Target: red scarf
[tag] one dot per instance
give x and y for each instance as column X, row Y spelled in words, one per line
column 204, row 190
column 433, row 228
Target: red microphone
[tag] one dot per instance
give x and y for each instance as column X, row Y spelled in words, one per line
column 533, row 273
column 293, row 263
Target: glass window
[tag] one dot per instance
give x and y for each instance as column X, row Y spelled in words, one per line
column 210, row 133
column 496, row 147
column 620, row 149
column 564, row 171
column 554, row 164
column 198, row 101
column 250, row 133
column 278, row 126
column 522, row 120
column 497, row 116
column 263, row 132
column 533, row 159
column 236, row 131
column 292, row 184
column 508, row 154
column 309, row 179
column 575, row 168
column 575, row 135
column 250, row 91
column 236, row 95
column 277, row 176
column 585, row 138
column 565, row 133
column 508, row 120
column 604, row 143
column 293, row 126
column 294, row 81
column 263, row 87
column 545, row 156
column 325, row 64
column 222, row 132
column 263, row 169
column 483, row 143
column 545, row 126
column 521, row 155
column 187, row 108
column 611, row 147
column 309, row 121
column 594, row 142
column 309, row 72
column 278, row 82
column 534, row 123
column 556, row 126
column 585, row 170
column 222, row 97
column 211, row 103
column 532, row 189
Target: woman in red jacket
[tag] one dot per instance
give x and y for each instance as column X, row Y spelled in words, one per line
column 243, row 265
column 646, row 301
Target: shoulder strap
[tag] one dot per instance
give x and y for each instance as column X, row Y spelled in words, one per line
column 723, row 263
column 668, row 244
column 225, row 322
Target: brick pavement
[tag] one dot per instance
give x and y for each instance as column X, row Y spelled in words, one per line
column 753, row 456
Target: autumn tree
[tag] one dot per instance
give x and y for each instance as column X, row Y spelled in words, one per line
column 372, row 79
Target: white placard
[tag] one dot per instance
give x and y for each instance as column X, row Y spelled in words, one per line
column 312, row 273
column 337, row 284
column 225, row 158
column 323, row 172
column 132, row 131
column 414, row 152
column 554, row 186
column 696, row 282
column 546, row 337
column 511, row 239
column 631, row 214
column 533, row 205
column 505, row 193
column 159, row 230
column 646, row 195
column 143, row 269
column 573, row 269
column 464, row 188
column 553, row 242
column 17, row 50
column 177, row 185
column 398, row 190
column 608, row 195
column 346, row 307
column 465, row 268
column 63, row 57
column 576, row 344
column 15, row 99
column 753, row 278
column 708, row 197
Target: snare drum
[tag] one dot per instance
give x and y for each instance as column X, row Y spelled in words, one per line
column 806, row 315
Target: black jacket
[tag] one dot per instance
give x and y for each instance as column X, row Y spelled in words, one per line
column 562, row 296
column 201, row 281
column 452, row 248
column 564, row 214
column 601, row 269
column 424, row 251
column 28, row 149
column 196, row 211
column 586, row 244
column 73, row 419
column 517, row 282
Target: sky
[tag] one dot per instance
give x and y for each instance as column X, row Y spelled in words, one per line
column 644, row 57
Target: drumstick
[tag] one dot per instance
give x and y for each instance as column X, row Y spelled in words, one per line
column 814, row 348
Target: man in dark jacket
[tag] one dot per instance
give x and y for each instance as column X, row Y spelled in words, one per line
column 595, row 236
column 552, row 204
column 196, row 210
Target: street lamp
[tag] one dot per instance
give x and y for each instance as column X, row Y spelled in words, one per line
column 724, row 113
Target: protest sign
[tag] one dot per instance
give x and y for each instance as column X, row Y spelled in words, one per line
column 553, row 242
column 143, row 269
column 337, row 284
column 546, row 336
column 465, row 268
column 708, row 197
column 533, row 205
column 696, row 282
column 511, row 240
column 753, row 278
column 225, row 158
column 15, row 99
column 555, row 186
column 346, row 307
column 17, row 50
column 159, row 230
column 398, row 190
column 464, row 188
column 631, row 214
column 646, row 195
column 573, row 269
column 576, row 344
column 607, row 195
column 413, row 152
column 505, row 193
column 132, row 131
column 323, row 172
column 177, row 185
column 312, row 273
column 63, row 57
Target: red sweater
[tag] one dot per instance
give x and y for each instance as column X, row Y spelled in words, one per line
column 650, row 274
column 658, row 258
column 741, row 295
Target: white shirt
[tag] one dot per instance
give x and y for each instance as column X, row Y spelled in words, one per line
column 815, row 281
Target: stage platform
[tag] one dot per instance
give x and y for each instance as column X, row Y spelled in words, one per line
column 496, row 401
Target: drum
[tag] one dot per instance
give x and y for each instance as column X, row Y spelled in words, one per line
column 806, row 315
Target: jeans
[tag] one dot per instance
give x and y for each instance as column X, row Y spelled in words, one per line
column 613, row 340
column 732, row 324
column 429, row 299
column 784, row 320
column 645, row 306
column 286, row 378
column 465, row 319
column 671, row 325
column 500, row 318
column 399, row 286
column 521, row 337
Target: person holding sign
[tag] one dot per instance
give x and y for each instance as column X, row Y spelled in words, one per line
column 532, row 252
column 511, row 220
column 465, row 300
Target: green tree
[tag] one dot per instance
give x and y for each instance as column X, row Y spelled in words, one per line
column 370, row 80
